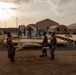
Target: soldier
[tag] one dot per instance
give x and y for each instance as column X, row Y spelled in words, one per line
column 24, row 32
column 29, row 31
column 53, row 44
column 19, row 33
column 10, row 47
column 36, row 32
column 44, row 45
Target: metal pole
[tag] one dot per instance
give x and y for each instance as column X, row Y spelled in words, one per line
column 16, row 21
column 5, row 23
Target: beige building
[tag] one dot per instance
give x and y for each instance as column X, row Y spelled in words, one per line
column 60, row 29
column 72, row 28
column 45, row 24
column 12, row 30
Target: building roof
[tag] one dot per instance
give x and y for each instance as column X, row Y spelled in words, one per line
column 34, row 25
column 48, row 20
column 72, row 26
column 46, row 23
column 52, row 28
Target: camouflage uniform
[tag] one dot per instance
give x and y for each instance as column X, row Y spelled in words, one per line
column 11, row 49
column 44, row 45
column 53, row 44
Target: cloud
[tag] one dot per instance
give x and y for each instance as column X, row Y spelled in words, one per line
column 56, row 6
column 44, row 8
column 63, row 6
column 15, row 1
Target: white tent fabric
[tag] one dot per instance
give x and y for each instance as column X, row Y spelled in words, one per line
column 34, row 31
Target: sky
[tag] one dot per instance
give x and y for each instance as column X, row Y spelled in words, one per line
column 17, row 12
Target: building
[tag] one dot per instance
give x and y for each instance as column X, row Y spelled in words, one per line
column 45, row 24
column 59, row 29
column 11, row 30
column 72, row 28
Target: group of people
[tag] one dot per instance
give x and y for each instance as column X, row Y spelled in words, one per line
column 52, row 45
column 29, row 32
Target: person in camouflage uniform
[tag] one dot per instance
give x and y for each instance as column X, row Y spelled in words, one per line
column 53, row 44
column 44, row 45
column 10, row 47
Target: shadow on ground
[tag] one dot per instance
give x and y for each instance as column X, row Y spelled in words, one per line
column 70, row 46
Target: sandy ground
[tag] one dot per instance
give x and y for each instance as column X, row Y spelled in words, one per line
column 28, row 62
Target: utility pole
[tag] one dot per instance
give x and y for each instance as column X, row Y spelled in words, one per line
column 16, row 21
column 5, row 23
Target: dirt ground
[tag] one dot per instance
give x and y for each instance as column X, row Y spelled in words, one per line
column 28, row 62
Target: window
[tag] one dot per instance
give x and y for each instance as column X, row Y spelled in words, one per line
column 57, row 29
column 65, row 30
